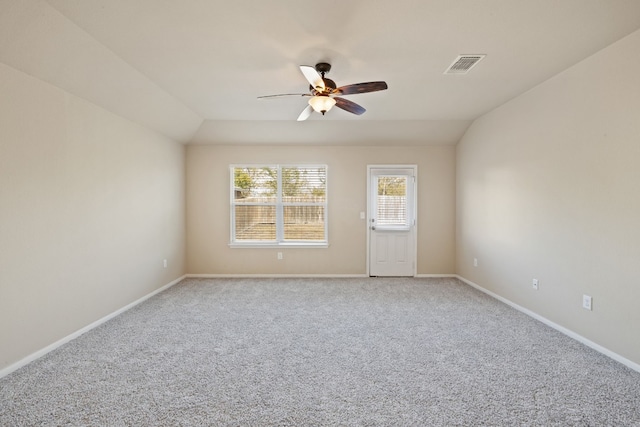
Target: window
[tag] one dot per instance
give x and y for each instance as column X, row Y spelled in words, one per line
column 391, row 203
column 278, row 205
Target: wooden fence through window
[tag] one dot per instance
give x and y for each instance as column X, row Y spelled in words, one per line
column 255, row 218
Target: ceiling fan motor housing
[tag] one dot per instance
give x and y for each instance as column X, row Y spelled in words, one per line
column 329, row 85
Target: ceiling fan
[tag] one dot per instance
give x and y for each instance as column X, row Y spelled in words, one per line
column 324, row 93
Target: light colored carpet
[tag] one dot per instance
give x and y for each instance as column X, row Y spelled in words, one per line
column 301, row 352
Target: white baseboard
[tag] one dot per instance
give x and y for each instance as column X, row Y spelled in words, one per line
column 435, row 275
column 302, row 276
column 615, row 356
column 30, row 358
column 274, row 276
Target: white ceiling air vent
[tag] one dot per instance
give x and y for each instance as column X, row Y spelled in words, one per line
column 463, row 64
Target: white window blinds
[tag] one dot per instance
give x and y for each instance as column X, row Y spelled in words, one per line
column 392, row 202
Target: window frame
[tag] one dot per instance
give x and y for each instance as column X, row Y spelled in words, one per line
column 279, row 206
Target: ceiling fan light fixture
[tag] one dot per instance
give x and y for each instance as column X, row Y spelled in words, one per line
column 322, row 103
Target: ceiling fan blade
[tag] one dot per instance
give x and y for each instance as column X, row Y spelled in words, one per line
column 305, row 113
column 313, row 77
column 360, row 88
column 349, row 106
column 281, row 95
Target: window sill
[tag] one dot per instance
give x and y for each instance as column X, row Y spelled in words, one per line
column 271, row 245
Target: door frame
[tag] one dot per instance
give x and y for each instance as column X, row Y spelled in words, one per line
column 415, row 212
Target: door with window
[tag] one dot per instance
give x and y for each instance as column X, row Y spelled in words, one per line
column 392, row 220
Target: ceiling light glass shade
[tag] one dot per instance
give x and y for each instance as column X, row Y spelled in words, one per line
column 322, row 104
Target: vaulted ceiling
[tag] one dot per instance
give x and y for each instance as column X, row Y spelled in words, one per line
column 193, row 69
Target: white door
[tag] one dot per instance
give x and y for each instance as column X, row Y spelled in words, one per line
column 392, row 220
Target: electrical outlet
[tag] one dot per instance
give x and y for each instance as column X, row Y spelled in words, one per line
column 164, row 263
column 535, row 284
column 279, row 255
column 475, row 262
column 586, row 302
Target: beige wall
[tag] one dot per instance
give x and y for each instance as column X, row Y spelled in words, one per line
column 90, row 205
column 208, row 209
column 548, row 187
